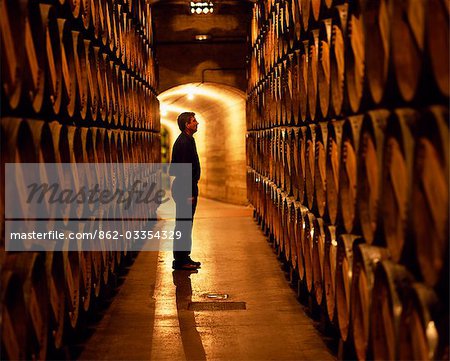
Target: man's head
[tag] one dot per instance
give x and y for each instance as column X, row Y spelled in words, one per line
column 187, row 122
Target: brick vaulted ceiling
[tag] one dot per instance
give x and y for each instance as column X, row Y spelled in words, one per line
column 183, row 59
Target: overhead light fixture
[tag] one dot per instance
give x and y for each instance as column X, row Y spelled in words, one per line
column 202, row 7
column 202, row 37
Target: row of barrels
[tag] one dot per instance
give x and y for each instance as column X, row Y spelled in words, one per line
column 376, row 304
column 101, row 16
column 45, row 295
column 34, row 141
column 383, row 174
column 50, row 66
column 361, row 53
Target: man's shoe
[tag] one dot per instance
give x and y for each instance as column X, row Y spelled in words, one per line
column 184, row 266
column 197, row 264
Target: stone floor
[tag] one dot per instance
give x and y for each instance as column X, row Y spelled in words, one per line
column 149, row 317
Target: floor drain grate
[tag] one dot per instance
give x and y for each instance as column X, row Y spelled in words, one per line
column 216, row 306
column 216, row 296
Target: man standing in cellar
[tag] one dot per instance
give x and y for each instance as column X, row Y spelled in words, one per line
column 185, row 151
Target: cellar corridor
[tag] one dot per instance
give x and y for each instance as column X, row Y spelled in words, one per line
column 317, row 132
column 151, row 316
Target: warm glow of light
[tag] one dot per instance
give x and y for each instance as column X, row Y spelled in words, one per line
column 163, row 110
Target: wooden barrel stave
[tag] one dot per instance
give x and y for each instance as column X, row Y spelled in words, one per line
column 320, row 168
column 334, row 145
column 318, row 255
column 377, row 25
column 419, row 338
column 430, row 198
column 437, row 23
column 348, row 172
column 13, row 310
column 370, row 164
column 365, row 259
column 312, row 74
column 324, row 71
column 12, row 50
column 355, row 57
column 397, row 179
column 337, row 58
column 307, row 244
column 391, row 280
column 329, row 270
column 343, row 281
column 310, row 154
column 408, row 35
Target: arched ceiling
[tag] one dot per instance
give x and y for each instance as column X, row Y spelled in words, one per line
column 200, row 98
column 183, row 59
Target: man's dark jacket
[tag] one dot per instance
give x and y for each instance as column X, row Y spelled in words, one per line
column 185, row 151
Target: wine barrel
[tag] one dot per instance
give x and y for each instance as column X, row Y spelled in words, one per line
column 324, row 72
column 377, row 25
column 296, row 19
column 292, row 158
column 32, row 282
column 80, row 73
column 286, row 218
column 86, row 13
column 301, row 162
column 408, row 35
column 17, row 146
column 288, row 161
column 303, row 59
column 343, row 281
column 287, row 89
column 337, row 57
column 370, row 163
column 68, row 176
column 68, row 67
column 313, row 60
column 91, row 70
column 100, row 70
column 35, row 43
column 13, row 312
column 365, row 259
column 54, row 266
column 320, row 164
column 305, row 6
column 430, row 198
column 53, row 56
column 301, row 213
column 355, row 57
column 310, row 162
column 391, row 280
column 419, row 337
column 108, row 81
column 72, row 277
column 46, row 153
column 294, row 74
column 329, row 270
column 75, row 7
column 437, row 23
column 397, row 178
column 348, row 174
column 318, row 256
column 333, row 161
column 309, row 223
column 12, row 50
column 120, row 95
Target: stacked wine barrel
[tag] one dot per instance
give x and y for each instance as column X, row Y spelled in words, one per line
column 348, row 169
column 78, row 86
